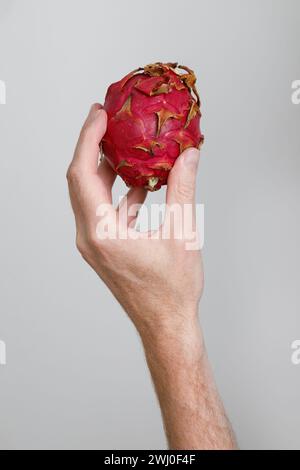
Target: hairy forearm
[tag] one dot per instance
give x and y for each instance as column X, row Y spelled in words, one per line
column 158, row 267
column 193, row 413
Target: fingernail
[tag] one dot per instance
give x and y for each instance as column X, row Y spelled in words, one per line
column 99, row 109
column 94, row 111
column 94, row 115
column 191, row 158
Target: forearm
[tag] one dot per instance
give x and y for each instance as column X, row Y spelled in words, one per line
column 192, row 411
column 141, row 270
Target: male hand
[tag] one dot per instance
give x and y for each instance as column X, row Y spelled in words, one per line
column 154, row 277
column 159, row 283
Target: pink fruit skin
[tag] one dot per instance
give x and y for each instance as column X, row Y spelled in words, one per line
column 153, row 115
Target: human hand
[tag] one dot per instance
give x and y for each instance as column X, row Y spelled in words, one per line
column 156, row 279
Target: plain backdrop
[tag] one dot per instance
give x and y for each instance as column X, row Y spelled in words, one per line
column 75, row 376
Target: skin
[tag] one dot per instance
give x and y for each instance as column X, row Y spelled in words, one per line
column 159, row 284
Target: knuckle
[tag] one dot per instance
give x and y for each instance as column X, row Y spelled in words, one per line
column 82, row 250
column 73, row 175
column 81, row 245
column 86, row 247
column 184, row 191
column 92, row 248
column 93, row 242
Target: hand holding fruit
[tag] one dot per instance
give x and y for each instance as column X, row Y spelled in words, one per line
column 157, row 281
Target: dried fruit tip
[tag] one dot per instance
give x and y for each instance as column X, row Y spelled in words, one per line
column 152, row 182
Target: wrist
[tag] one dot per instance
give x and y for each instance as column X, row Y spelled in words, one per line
column 161, row 320
column 178, row 340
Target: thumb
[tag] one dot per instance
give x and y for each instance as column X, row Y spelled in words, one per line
column 182, row 178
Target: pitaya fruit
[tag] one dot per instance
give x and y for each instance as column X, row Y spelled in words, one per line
column 153, row 115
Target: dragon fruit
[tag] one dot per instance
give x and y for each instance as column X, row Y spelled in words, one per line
column 153, row 115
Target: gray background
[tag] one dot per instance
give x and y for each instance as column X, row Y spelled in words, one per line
column 75, row 374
